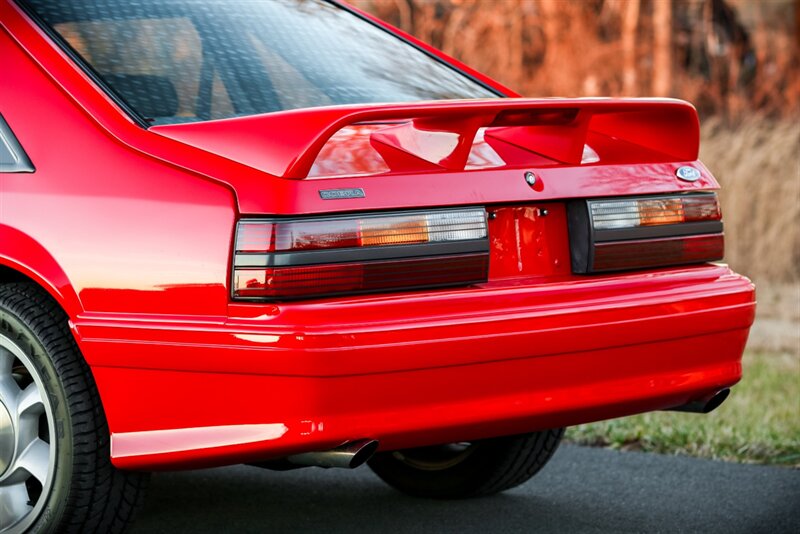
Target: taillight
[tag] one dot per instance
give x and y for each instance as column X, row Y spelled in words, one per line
column 280, row 259
column 636, row 233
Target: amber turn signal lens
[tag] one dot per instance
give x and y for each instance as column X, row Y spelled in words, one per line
column 403, row 232
column 633, row 213
column 662, row 211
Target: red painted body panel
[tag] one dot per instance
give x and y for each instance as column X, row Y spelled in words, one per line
column 415, row 408
column 131, row 232
column 529, row 241
column 670, row 125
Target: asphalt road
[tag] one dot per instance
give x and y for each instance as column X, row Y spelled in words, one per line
column 581, row 490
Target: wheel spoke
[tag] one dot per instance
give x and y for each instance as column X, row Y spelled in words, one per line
column 28, row 412
column 9, row 391
column 6, row 361
column 13, row 504
column 35, row 459
column 30, row 401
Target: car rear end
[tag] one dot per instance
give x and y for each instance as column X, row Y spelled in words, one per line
column 453, row 296
column 287, row 234
column 457, row 268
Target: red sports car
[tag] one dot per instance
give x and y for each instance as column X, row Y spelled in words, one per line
column 286, row 234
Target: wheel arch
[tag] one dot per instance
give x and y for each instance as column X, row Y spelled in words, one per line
column 22, row 258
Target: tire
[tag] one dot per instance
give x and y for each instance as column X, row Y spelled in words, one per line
column 460, row 471
column 54, row 438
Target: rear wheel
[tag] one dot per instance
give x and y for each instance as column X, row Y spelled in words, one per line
column 55, row 468
column 463, row 470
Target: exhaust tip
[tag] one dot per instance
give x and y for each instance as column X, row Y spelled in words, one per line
column 364, row 452
column 349, row 456
column 718, row 398
column 706, row 404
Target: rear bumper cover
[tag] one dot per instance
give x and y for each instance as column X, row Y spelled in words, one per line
column 414, row 369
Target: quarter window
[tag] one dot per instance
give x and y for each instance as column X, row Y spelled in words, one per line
column 12, row 157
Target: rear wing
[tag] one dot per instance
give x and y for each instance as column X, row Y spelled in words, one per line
column 440, row 135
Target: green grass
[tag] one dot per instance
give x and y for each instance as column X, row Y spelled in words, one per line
column 759, row 423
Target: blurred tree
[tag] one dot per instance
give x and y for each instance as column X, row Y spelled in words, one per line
column 630, row 23
column 662, row 48
column 729, row 57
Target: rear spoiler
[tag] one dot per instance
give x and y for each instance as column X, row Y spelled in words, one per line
column 425, row 136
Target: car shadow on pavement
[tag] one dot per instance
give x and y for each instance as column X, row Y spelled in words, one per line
column 245, row 499
column 582, row 490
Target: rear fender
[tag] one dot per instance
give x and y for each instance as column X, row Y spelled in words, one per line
column 24, row 254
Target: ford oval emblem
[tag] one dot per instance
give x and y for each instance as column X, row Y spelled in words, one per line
column 688, row 174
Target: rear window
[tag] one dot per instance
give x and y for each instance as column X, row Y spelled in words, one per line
column 194, row 60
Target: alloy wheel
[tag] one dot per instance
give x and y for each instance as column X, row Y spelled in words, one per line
column 437, row 458
column 27, row 452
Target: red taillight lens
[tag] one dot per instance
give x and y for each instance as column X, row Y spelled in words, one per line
column 306, row 281
column 657, row 252
column 637, row 233
column 324, row 256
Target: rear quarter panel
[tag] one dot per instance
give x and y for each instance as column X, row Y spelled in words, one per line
column 123, row 232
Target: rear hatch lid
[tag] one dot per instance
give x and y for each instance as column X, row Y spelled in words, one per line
column 445, row 153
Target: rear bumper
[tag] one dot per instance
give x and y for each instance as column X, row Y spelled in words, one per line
column 414, row 369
